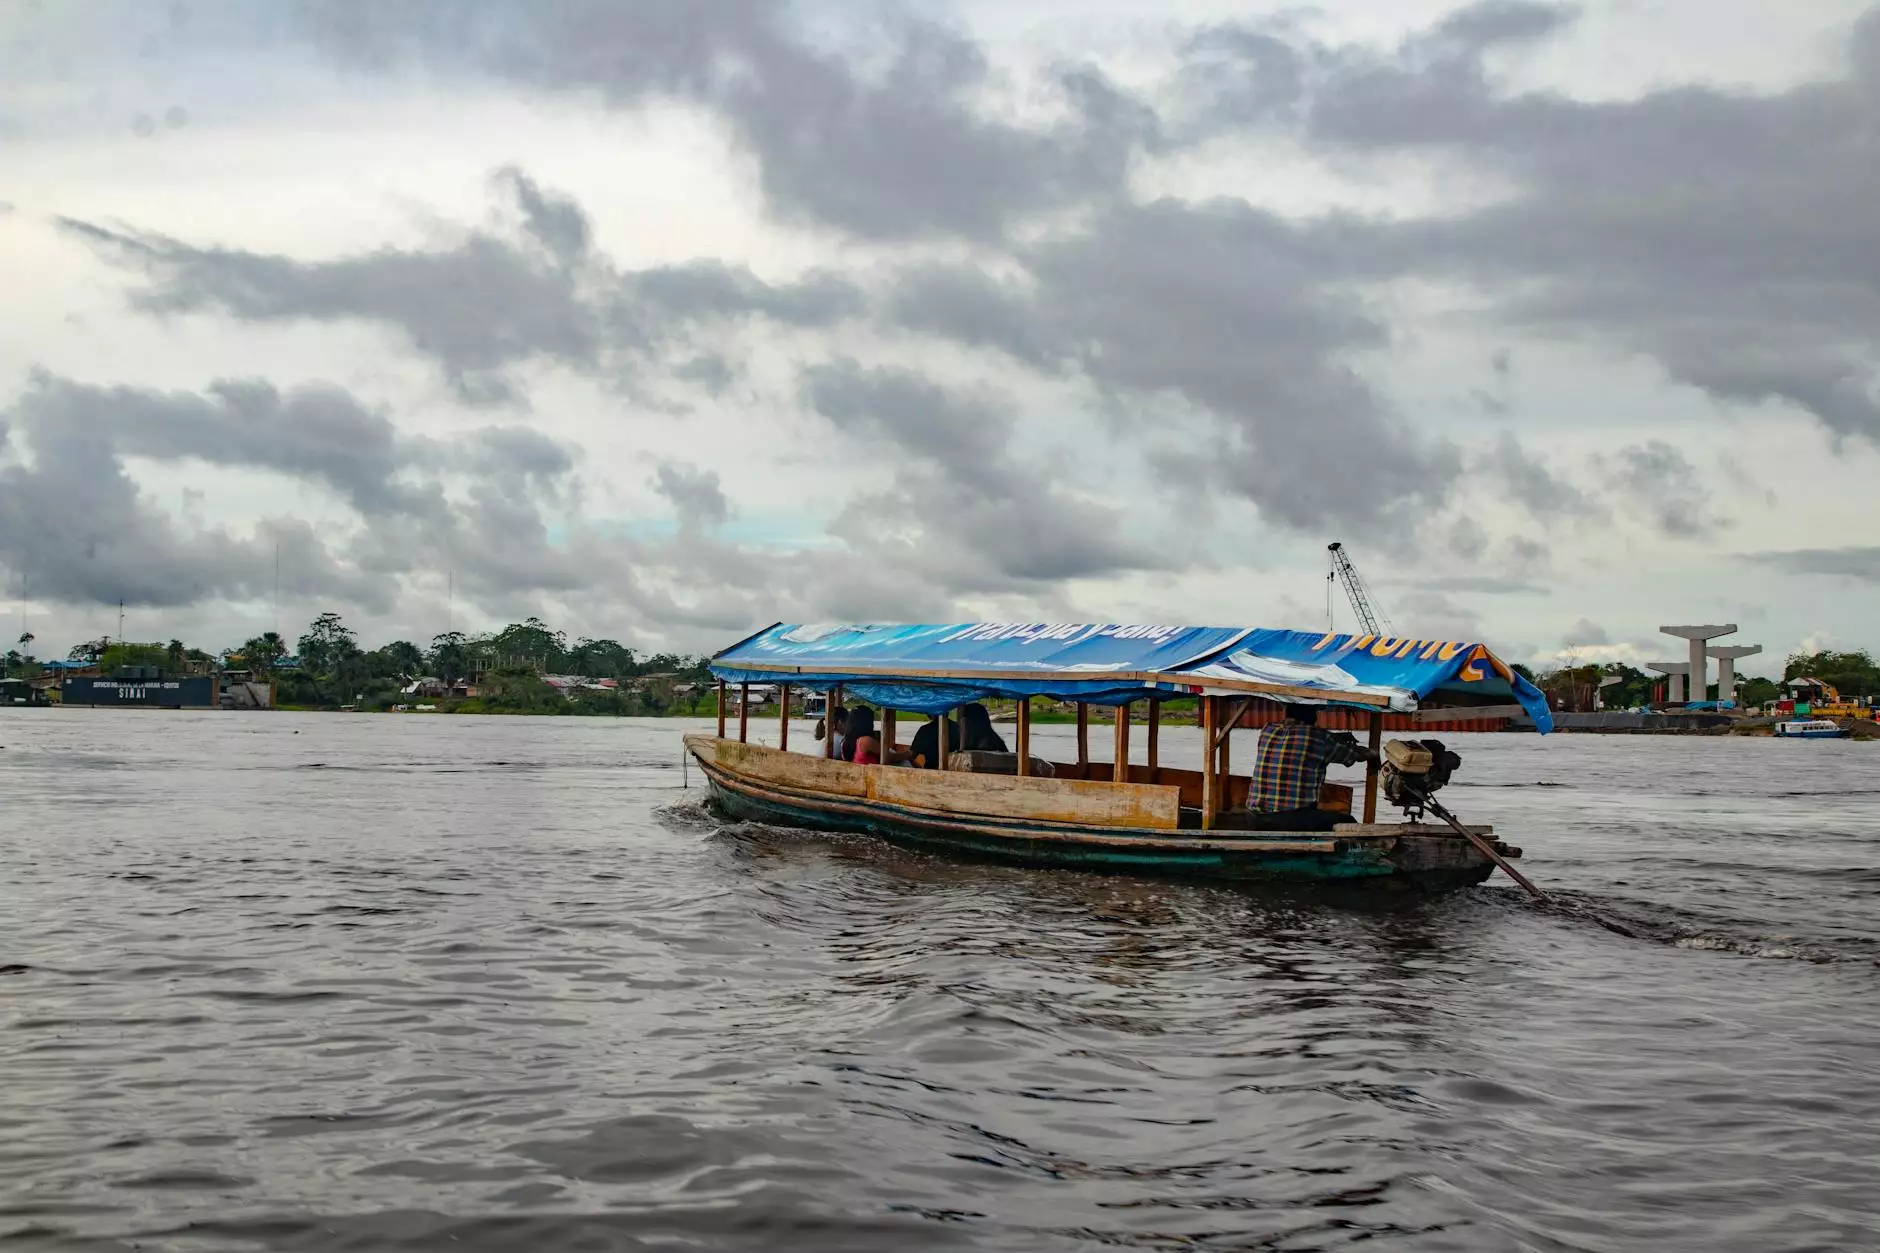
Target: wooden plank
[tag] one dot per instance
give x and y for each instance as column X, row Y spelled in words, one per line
column 1153, row 749
column 1406, row 828
column 1224, row 767
column 1234, row 715
column 783, row 716
column 940, row 738
column 1335, row 797
column 1024, row 737
column 1101, row 804
column 1464, row 713
column 1120, row 774
column 721, row 709
column 773, row 765
column 886, row 732
column 1083, row 733
column 744, row 712
column 1375, row 741
column 1208, row 715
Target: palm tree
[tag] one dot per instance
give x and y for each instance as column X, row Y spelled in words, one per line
column 262, row 653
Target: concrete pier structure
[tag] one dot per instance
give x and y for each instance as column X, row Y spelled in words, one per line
column 1674, row 691
column 1699, row 669
column 1727, row 656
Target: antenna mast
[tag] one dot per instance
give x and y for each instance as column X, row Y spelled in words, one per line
column 1370, row 616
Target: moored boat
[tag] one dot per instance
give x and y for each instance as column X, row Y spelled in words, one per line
column 1124, row 813
column 1810, row 729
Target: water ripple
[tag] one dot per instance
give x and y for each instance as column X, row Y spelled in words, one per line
column 302, row 982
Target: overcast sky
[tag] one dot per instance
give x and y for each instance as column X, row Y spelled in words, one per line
column 666, row 320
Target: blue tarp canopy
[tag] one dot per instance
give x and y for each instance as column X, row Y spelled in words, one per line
column 931, row 668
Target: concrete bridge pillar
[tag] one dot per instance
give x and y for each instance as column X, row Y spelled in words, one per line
column 1697, row 635
column 1726, row 668
column 1674, row 693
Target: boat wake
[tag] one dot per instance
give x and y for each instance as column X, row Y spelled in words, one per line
column 1668, row 925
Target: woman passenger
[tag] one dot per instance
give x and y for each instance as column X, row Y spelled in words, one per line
column 861, row 743
column 976, row 733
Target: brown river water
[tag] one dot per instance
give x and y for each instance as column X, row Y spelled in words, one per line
column 311, row 982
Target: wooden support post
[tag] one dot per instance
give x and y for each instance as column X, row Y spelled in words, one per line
column 1154, row 747
column 744, row 711
column 1208, row 756
column 783, row 716
column 1083, row 740
column 831, row 699
column 1376, row 741
column 940, row 738
column 721, row 709
column 1226, row 764
column 1024, row 737
column 885, row 732
column 1121, row 773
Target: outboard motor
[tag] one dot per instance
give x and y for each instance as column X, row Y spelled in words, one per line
column 1413, row 769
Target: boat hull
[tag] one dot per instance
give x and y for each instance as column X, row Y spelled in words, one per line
column 1425, row 862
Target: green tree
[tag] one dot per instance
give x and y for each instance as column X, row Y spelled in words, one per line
column 450, row 658
column 263, row 653
column 1850, row 673
column 531, row 643
column 124, row 653
column 1756, row 691
column 405, row 658
column 326, row 644
column 89, row 652
column 601, row 659
column 1634, row 687
column 519, row 689
column 175, row 655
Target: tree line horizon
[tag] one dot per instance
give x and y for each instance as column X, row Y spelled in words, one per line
column 328, row 653
column 327, row 666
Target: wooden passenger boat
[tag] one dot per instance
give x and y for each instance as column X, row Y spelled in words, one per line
column 1119, row 814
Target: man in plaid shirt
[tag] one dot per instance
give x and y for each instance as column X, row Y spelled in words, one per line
column 1291, row 769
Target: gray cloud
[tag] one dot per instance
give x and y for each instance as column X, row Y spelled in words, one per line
column 984, row 520
column 74, row 528
column 1726, row 234
column 1489, row 23
column 1530, row 481
column 488, row 304
column 79, row 530
column 1860, row 563
column 556, row 221
column 962, row 434
column 1658, row 479
column 1226, row 307
column 317, row 433
column 1585, row 633
column 883, row 139
column 695, row 494
column 1486, row 583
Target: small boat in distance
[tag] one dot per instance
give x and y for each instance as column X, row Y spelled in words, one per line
column 1810, row 729
column 1120, row 814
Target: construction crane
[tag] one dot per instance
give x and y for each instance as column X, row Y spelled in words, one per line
column 1370, row 616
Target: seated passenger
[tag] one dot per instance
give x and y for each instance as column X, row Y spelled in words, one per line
column 1294, row 753
column 862, row 744
column 976, row 733
column 839, row 719
column 924, row 749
